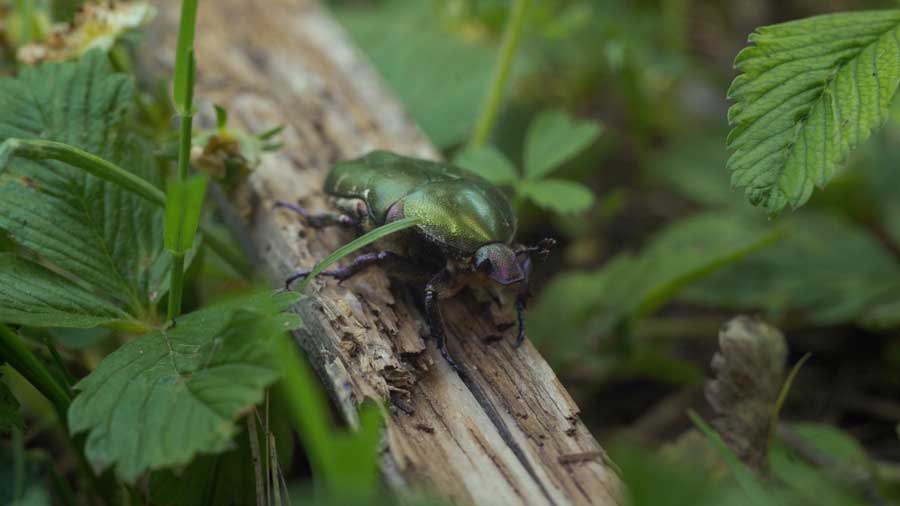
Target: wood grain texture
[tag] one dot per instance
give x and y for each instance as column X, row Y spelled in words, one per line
column 508, row 435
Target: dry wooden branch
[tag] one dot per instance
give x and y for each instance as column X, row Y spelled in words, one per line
column 508, row 434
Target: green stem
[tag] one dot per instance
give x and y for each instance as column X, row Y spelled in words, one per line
column 176, row 280
column 513, row 32
column 36, row 150
column 14, row 351
column 26, row 12
column 187, row 122
column 176, row 285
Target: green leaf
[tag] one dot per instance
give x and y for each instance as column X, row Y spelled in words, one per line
column 439, row 76
column 826, row 269
column 166, row 396
column 577, row 306
column 356, row 244
column 554, row 138
column 488, row 162
column 79, row 338
column 184, row 57
column 101, row 234
column 810, row 91
column 558, row 195
column 9, row 410
column 32, row 295
column 184, row 203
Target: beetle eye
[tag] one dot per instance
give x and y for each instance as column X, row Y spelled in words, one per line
column 484, row 265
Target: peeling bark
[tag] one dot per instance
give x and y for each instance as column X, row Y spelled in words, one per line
column 506, row 433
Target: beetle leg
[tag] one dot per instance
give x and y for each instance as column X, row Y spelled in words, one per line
column 321, row 220
column 522, row 301
column 433, row 315
column 356, row 266
column 520, row 314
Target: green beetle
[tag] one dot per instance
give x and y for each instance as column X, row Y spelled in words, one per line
column 465, row 235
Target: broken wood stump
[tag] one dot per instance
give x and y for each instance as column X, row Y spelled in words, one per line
column 508, row 433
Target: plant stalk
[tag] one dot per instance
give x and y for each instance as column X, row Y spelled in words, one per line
column 35, row 149
column 176, row 281
column 511, row 35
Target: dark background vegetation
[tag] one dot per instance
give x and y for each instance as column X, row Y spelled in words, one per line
column 655, row 74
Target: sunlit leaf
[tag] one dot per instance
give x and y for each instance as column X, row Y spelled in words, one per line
column 810, row 92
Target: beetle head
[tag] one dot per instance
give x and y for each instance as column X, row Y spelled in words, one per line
column 500, row 262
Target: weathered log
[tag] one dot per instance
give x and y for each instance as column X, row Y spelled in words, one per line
column 509, row 433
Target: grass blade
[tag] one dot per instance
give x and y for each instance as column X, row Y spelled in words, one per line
column 359, row 242
column 744, row 477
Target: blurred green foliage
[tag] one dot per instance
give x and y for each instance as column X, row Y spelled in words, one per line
column 669, row 248
column 656, row 245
